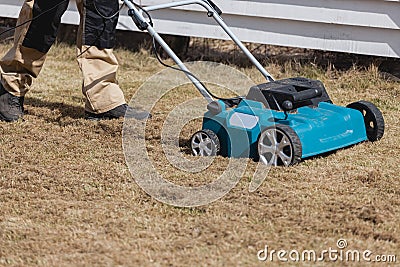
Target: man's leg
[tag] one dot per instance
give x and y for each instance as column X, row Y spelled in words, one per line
column 96, row 36
column 96, row 39
column 25, row 59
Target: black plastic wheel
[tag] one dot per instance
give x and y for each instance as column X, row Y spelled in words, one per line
column 373, row 119
column 205, row 143
column 279, row 145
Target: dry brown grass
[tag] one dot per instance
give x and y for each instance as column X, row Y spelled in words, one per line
column 67, row 197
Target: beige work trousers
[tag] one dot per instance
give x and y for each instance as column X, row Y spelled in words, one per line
column 99, row 66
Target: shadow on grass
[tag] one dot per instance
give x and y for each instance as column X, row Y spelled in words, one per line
column 61, row 114
column 281, row 55
column 184, row 145
column 66, row 110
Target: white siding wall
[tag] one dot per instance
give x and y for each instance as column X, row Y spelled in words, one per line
column 370, row 27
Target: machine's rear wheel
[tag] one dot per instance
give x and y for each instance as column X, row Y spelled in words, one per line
column 373, row 119
column 279, row 145
column 205, row 143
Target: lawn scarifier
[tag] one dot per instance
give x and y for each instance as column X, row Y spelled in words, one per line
column 278, row 122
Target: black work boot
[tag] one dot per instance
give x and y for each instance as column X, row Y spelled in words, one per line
column 11, row 106
column 119, row 112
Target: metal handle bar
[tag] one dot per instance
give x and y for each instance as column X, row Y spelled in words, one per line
column 143, row 25
column 209, row 7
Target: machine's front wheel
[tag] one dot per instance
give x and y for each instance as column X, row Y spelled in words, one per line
column 279, row 145
column 373, row 119
column 205, row 143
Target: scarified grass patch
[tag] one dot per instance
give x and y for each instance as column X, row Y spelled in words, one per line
column 67, row 197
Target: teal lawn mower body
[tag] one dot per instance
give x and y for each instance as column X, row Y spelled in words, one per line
column 284, row 121
column 325, row 128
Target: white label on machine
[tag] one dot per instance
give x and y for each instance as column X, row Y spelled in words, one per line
column 243, row 120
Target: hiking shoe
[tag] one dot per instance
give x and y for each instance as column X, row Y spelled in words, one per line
column 11, row 106
column 119, row 112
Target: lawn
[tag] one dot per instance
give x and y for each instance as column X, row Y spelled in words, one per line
column 67, row 196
